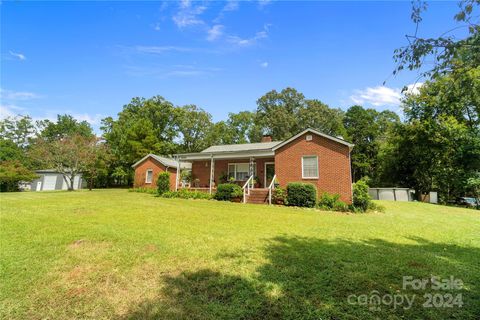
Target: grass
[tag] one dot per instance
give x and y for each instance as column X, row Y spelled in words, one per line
column 118, row 254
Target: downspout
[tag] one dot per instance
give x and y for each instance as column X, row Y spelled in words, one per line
column 350, row 166
column 177, row 177
column 211, row 172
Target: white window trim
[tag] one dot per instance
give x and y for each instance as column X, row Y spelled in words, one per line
column 146, row 175
column 311, row 156
column 235, row 172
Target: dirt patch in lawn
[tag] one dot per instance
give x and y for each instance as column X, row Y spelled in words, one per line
column 87, row 245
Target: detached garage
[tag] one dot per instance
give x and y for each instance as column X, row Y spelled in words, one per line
column 53, row 180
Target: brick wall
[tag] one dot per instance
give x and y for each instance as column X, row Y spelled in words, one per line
column 333, row 165
column 201, row 169
column 157, row 167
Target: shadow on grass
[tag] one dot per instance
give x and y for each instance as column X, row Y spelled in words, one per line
column 308, row 278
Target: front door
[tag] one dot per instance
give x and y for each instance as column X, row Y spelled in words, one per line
column 269, row 173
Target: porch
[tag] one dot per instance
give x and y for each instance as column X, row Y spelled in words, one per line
column 253, row 174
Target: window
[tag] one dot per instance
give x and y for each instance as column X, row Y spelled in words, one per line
column 240, row 171
column 149, row 176
column 310, row 167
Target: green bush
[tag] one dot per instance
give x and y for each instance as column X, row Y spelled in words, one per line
column 301, row 194
column 332, row 202
column 279, row 196
column 228, row 191
column 187, row 194
column 361, row 198
column 163, row 183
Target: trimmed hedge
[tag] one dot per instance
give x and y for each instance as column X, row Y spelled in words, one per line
column 187, row 194
column 228, row 191
column 301, row 194
column 163, row 183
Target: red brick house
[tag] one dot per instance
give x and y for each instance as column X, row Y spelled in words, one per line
column 310, row 156
column 149, row 167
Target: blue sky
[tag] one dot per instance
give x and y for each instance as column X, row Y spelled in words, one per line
column 90, row 58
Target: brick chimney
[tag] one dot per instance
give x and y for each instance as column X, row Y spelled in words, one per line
column 267, row 138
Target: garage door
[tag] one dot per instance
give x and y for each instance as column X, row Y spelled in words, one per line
column 76, row 180
column 49, row 182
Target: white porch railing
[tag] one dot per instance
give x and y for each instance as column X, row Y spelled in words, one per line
column 270, row 189
column 246, row 188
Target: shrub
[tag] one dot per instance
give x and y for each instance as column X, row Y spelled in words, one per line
column 163, row 183
column 186, row 194
column 332, row 202
column 375, row 207
column 301, row 194
column 279, row 196
column 361, row 198
column 228, row 191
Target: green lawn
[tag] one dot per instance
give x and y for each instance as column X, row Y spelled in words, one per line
column 117, row 254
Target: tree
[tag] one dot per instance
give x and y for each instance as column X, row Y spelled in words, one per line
column 368, row 129
column 9, row 150
column 286, row 113
column 12, row 172
column 143, row 126
column 243, row 128
column 194, row 125
column 439, row 145
column 66, row 125
column 20, row 130
column 221, row 133
column 319, row 116
column 277, row 113
column 70, row 155
column 446, row 51
column 456, row 94
column 97, row 165
column 473, row 183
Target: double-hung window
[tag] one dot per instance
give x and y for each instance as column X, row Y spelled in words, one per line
column 310, row 167
column 239, row 171
column 149, row 176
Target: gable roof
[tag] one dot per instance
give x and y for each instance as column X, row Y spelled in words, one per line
column 167, row 162
column 261, row 149
column 241, row 147
column 341, row 141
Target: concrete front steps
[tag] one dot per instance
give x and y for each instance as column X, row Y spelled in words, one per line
column 258, row 196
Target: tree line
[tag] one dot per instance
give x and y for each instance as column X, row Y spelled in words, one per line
column 435, row 147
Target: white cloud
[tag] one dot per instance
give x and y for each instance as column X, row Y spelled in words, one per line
column 263, row 3
column 8, row 110
column 413, row 88
column 231, row 6
column 215, row 32
column 383, row 96
column 156, row 26
column 245, row 42
column 163, row 72
column 377, row 96
column 264, row 64
column 188, row 15
column 18, row 55
column 17, row 95
column 91, row 119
